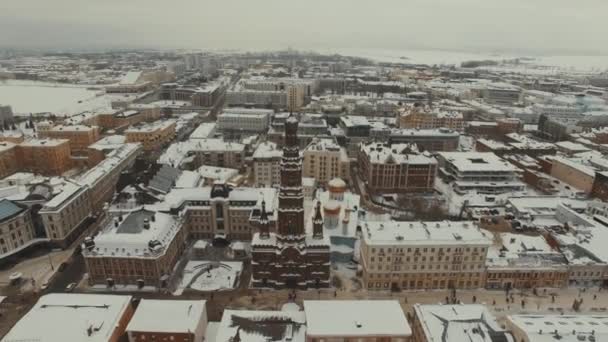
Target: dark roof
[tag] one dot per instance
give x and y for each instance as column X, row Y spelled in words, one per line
column 9, row 209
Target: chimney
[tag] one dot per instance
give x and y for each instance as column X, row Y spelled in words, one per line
column 146, row 224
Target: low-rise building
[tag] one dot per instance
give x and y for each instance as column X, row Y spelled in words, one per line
column 139, row 247
column 564, row 328
column 152, row 136
column 423, row 255
column 457, row 323
column 74, row 317
column 483, row 172
column 356, row 320
column 396, row 168
column 168, row 320
column 325, row 160
column 16, row 229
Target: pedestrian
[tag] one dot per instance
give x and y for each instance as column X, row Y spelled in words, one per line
column 594, row 297
column 523, row 303
column 474, row 299
column 494, row 302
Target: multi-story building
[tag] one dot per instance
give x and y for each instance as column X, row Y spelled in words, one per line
column 221, row 212
column 432, row 140
column 525, row 262
column 565, row 328
column 396, row 168
column 290, row 258
column 65, row 214
column 139, row 247
column 418, row 117
column 267, row 165
column 244, row 120
column 6, row 114
column 356, row 320
column 483, row 172
column 311, row 126
column 325, row 160
column 456, row 323
column 152, row 136
column 16, row 229
column 194, row 153
column 119, row 119
column 423, row 255
column 576, row 174
column 80, row 136
column 74, row 317
column 101, row 180
column 502, row 93
column 199, row 96
column 45, row 156
column 9, row 163
column 188, row 321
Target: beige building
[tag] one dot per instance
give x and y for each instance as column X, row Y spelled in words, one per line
column 16, row 228
column 423, row 255
column 563, row 328
column 356, row 320
column 138, row 247
column 420, row 117
column 45, row 156
column 325, row 160
column 267, row 165
column 80, row 136
column 152, row 136
column 218, row 211
column 64, row 215
column 457, row 323
column 8, row 159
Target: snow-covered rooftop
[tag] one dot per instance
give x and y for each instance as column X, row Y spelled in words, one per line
column 70, row 317
column 168, row 316
column 355, row 318
column 425, row 233
column 262, row 326
column 563, row 328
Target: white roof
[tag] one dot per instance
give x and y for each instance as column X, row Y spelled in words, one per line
column 67, row 317
column 67, row 191
column 355, row 318
column 458, row 323
column 131, row 77
column 267, row 149
column 425, row 233
column 168, row 316
column 217, row 173
column 379, row 153
column 151, row 126
column 542, row 328
column 477, row 162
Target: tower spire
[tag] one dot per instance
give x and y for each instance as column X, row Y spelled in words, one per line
column 317, row 222
column 264, row 225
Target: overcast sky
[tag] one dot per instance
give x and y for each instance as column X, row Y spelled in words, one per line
column 567, row 26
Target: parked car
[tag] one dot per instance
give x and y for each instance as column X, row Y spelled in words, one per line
column 70, row 287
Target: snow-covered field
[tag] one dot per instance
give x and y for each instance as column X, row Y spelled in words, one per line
column 210, row 275
column 27, row 97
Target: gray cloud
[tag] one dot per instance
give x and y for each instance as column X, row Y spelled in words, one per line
column 506, row 25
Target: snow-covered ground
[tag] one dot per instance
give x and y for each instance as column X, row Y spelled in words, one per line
column 27, row 97
column 210, row 275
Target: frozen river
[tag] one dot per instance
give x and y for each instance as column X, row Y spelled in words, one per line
column 39, row 97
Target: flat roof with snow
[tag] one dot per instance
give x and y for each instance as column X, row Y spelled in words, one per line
column 70, row 317
column 355, row 318
column 425, row 233
column 168, row 316
column 563, row 328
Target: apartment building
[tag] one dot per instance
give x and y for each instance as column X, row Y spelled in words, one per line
column 267, row 165
column 138, row 247
column 64, row 215
column 80, row 136
column 423, row 255
column 9, row 163
column 45, row 156
column 153, row 136
column 573, row 172
column 244, row 120
column 325, row 160
column 457, row 323
column 101, row 180
column 16, row 229
column 356, row 320
column 483, row 172
column 396, row 168
column 219, row 211
column 419, row 117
